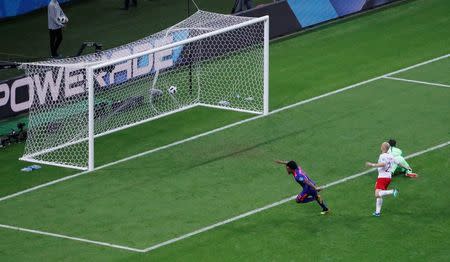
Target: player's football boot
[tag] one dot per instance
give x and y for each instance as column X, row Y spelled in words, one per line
column 396, row 192
column 412, row 175
column 375, row 214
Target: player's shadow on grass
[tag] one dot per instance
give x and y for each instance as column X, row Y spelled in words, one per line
column 238, row 151
column 234, row 152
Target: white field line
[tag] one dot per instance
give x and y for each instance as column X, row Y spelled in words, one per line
column 252, row 212
column 416, row 81
column 223, row 128
column 224, row 222
column 373, row 169
column 71, row 238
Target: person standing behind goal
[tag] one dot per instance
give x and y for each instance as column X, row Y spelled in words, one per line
column 55, row 26
column 126, row 4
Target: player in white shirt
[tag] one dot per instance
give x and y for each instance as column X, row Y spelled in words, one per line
column 385, row 163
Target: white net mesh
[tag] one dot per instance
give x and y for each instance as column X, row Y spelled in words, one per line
column 224, row 70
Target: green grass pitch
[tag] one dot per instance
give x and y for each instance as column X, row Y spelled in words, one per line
column 160, row 196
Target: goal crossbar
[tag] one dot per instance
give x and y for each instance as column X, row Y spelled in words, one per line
column 82, row 117
column 179, row 43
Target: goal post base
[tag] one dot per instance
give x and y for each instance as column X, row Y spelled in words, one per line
column 230, row 109
column 209, row 60
column 32, row 160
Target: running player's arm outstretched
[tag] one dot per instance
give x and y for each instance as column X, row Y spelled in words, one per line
column 370, row 164
column 382, row 164
column 317, row 188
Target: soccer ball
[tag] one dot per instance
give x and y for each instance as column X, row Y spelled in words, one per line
column 172, row 90
column 63, row 19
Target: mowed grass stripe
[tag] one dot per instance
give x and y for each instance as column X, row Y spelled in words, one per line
column 292, row 232
column 146, row 200
column 299, row 70
column 307, row 72
column 202, row 230
column 120, row 147
column 345, row 235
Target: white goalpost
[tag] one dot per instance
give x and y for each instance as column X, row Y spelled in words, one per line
column 209, row 60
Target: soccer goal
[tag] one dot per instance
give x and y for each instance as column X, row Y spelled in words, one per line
column 210, row 60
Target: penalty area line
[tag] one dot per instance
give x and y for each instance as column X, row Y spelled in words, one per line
column 224, row 127
column 258, row 210
column 39, row 232
column 416, row 81
column 210, row 227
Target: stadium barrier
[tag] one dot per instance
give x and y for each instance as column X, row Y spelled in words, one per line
column 291, row 16
column 12, row 8
column 286, row 17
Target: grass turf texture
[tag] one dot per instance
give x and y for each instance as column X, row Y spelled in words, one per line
column 274, row 186
column 348, row 234
column 355, row 51
column 412, row 227
column 128, row 204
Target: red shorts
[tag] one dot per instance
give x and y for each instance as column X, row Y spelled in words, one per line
column 382, row 183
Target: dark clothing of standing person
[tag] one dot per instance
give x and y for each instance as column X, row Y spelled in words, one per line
column 239, row 5
column 55, row 26
column 127, row 4
column 55, row 41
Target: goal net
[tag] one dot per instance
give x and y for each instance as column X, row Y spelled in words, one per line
column 208, row 59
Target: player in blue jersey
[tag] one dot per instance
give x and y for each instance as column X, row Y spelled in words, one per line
column 310, row 190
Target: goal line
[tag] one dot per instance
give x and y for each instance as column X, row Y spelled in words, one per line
column 208, row 59
column 210, row 227
column 207, row 133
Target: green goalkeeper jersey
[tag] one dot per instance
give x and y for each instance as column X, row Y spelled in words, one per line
column 395, row 151
column 397, row 154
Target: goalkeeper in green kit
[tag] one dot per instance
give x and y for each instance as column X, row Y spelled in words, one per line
column 397, row 154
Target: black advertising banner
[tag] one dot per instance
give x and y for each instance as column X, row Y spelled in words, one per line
column 286, row 17
column 282, row 19
column 14, row 96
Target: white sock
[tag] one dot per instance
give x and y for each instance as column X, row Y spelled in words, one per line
column 385, row 192
column 379, row 203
